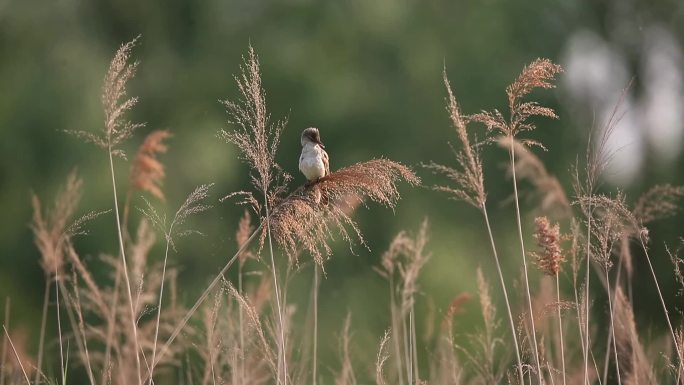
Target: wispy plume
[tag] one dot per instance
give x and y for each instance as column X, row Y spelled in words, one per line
column 538, row 74
column 256, row 135
column 468, row 177
column 116, row 103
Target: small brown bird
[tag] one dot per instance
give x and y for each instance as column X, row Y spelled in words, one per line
column 314, row 161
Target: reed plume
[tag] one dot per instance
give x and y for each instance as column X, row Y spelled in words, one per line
column 548, row 237
column 147, row 172
column 305, row 220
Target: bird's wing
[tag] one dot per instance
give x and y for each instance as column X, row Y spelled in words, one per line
column 326, row 163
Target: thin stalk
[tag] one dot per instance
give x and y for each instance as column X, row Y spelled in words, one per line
column 505, row 292
column 315, row 326
column 16, row 356
column 59, row 328
column 414, row 351
column 586, row 287
column 125, row 268
column 407, row 351
column 241, row 321
column 3, row 354
column 159, row 305
column 395, row 332
column 662, row 300
column 281, row 326
column 524, row 258
column 204, row 296
column 560, row 328
column 612, row 328
column 43, row 320
column 111, row 323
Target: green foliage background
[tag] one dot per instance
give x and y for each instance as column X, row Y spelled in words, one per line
column 367, row 73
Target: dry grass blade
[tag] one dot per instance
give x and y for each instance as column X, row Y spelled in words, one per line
column 16, row 356
column 310, row 214
column 147, row 172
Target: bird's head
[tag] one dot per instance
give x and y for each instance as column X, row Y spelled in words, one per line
column 311, row 135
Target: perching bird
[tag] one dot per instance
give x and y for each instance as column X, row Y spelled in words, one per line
column 313, row 162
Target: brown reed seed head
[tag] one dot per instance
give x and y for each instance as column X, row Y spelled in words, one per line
column 51, row 228
column 243, row 233
column 548, row 239
column 304, row 220
column 147, row 171
column 538, row 74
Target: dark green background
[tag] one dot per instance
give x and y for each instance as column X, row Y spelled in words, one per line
column 367, row 73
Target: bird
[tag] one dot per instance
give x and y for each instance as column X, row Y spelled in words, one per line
column 314, row 161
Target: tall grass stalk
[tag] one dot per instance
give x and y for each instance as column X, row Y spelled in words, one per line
column 314, row 370
column 662, row 300
column 159, row 305
column 524, row 258
column 612, row 329
column 395, row 331
column 43, row 321
column 282, row 352
column 586, row 288
column 560, row 328
column 16, row 355
column 505, row 293
column 125, row 268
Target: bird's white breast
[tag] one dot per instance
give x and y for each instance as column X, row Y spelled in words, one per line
column 311, row 162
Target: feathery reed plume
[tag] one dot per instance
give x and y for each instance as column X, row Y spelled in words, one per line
column 303, row 220
column 552, row 198
column 658, row 203
column 455, row 308
column 117, row 128
column 147, row 171
column 548, row 237
column 116, row 103
column 245, row 229
column 468, row 177
column 634, row 361
column 538, row 74
column 381, row 358
column 677, row 263
column 257, row 136
column 469, row 187
column 51, row 228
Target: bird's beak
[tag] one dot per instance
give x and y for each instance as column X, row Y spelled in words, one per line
column 320, row 144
